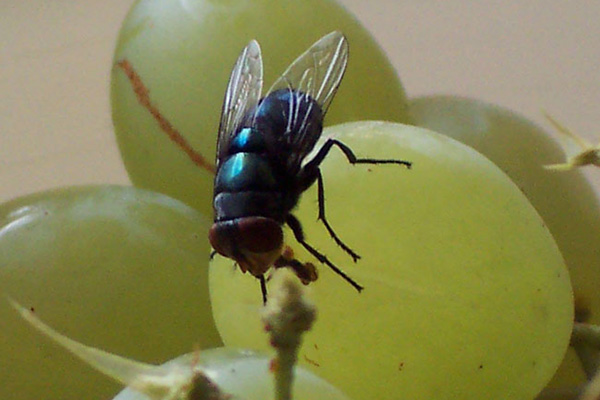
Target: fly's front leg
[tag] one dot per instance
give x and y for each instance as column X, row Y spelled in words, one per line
column 263, row 288
column 311, row 172
column 321, row 201
column 306, row 272
column 308, row 175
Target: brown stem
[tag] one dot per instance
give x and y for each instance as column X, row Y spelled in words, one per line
column 142, row 93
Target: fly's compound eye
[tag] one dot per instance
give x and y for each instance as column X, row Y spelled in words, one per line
column 259, row 234
column 250, row 234
column 221, row 236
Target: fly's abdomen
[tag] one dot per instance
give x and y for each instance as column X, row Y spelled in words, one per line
column 246, row 184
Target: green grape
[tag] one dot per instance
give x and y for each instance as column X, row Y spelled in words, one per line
column 246, row 374
column 565, row 200
column 184, row 53
column 120, row 268
column 466, row 294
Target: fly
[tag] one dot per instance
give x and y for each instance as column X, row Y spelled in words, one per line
column 261, row 148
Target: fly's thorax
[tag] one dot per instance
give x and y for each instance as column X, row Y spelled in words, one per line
column 247, row 140
column 273, row 116
column 243, row 171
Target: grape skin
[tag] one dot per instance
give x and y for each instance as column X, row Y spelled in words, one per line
column 246, row 374
column 120, row 268
column 565, row 200
column 465, row 289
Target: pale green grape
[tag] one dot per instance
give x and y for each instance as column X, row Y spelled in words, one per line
column 466, row 294
column 246, row 374
column 565, row 200
column 119, row 268
column 184, row 52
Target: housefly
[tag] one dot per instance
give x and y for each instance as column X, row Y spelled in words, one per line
column 261, row 151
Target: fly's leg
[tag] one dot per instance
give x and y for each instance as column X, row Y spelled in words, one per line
column 321, row 201
column 261, row 278
column 311, row 172
column 263, row 288
column 352, row 159
column 296, row 228
column 306, row 272
column 308, row 175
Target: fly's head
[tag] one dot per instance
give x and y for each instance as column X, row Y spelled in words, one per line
column 255, row 243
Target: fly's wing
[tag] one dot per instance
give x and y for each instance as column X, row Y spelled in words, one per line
column 242, row 95
column 317, row 73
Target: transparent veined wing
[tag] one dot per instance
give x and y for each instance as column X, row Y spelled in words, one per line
column 242, row 94
column 318, row 71
column 313, row 77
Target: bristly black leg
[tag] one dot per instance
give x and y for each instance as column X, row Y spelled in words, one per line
column 352, row 159
column 321, row 200
column 263, row 288
column 311, row 172
column 296, row 228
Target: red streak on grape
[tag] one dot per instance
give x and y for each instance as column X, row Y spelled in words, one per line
column 142, row 93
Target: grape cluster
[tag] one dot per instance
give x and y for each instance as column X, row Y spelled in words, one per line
column 466, row 292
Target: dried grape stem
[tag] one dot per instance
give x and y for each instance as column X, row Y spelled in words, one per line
column 286, row 316
column 142, row 94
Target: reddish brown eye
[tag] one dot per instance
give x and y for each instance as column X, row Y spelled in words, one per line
column 260, row 235
column 252, row 234
column 220, row 236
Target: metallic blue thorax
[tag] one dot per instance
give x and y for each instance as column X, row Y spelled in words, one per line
column 248, row 140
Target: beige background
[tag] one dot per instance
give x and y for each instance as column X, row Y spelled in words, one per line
column 55, row 126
